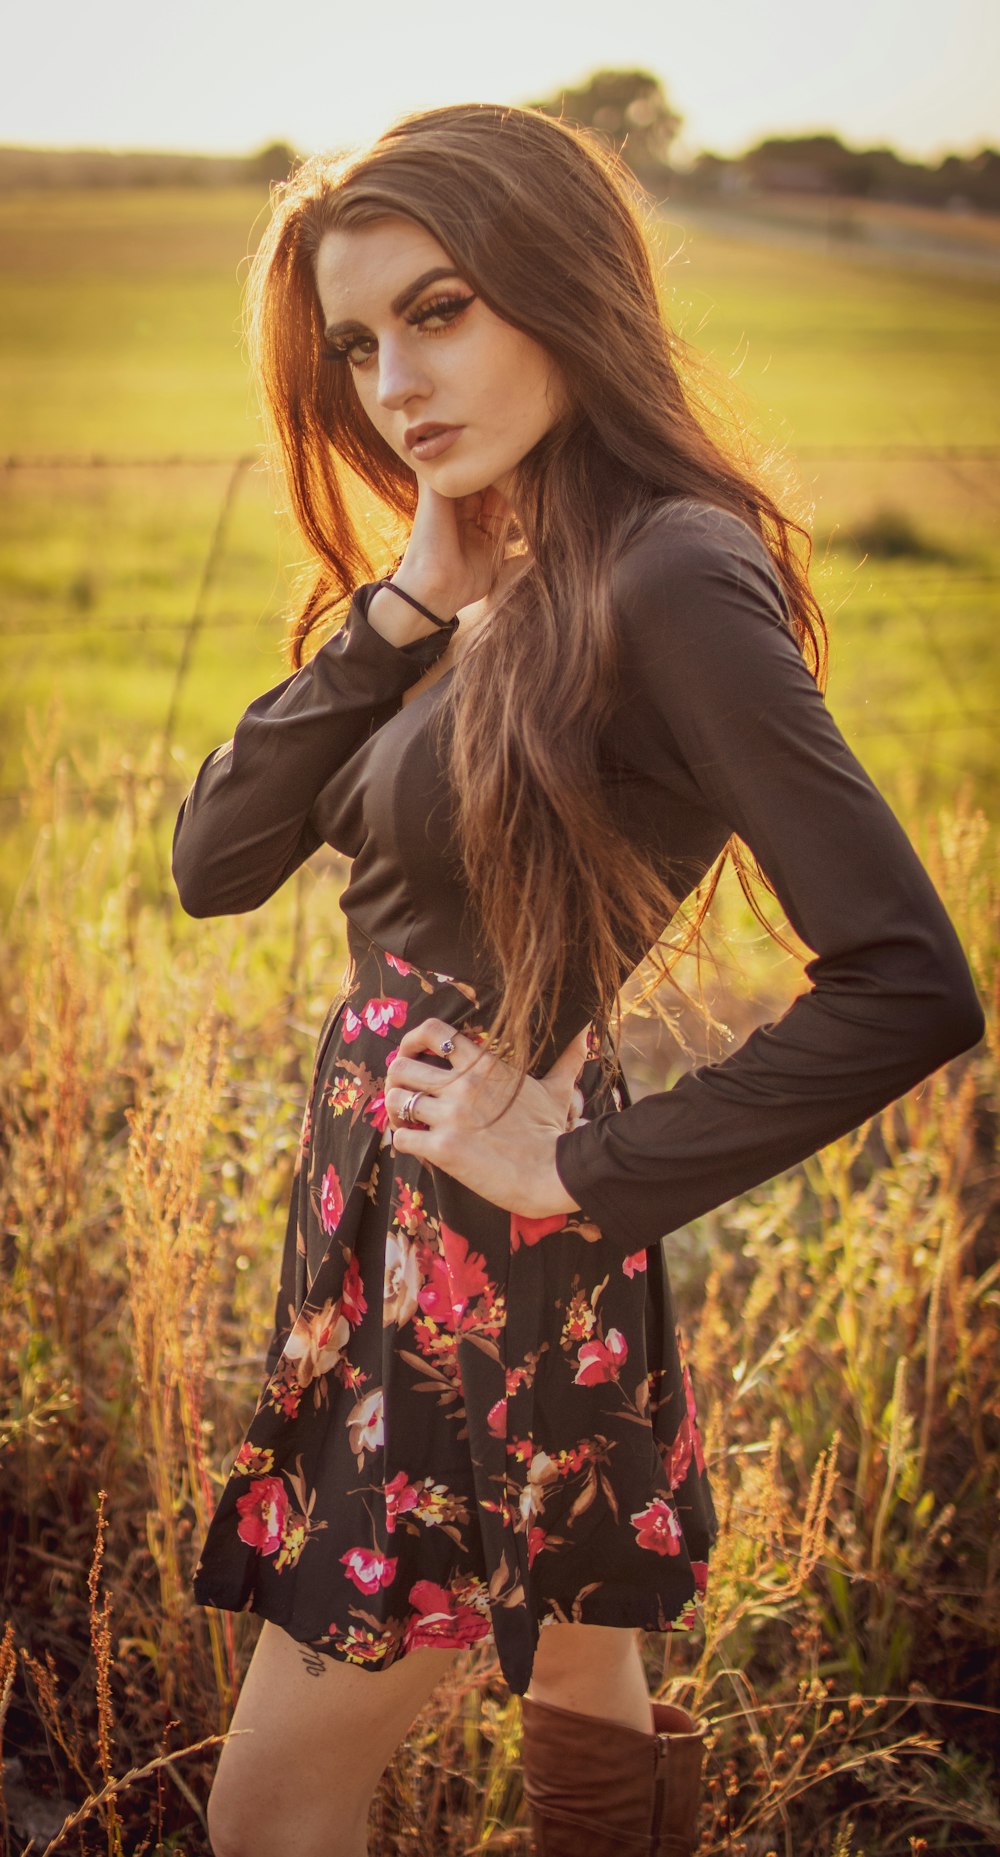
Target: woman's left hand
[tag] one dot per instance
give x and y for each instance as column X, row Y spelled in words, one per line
column 510, row 1160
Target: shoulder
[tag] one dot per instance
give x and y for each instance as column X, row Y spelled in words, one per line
column 691, row 569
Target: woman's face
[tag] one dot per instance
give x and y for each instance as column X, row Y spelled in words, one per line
column 426, row 351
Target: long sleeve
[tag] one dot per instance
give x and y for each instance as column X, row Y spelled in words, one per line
column 244, row 828
column 723, row 708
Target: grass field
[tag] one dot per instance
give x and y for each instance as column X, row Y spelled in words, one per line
column 843, row 1318
column 119, row 337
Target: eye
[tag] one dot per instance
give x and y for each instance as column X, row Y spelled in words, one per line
column 344, row 351
column 446, row 308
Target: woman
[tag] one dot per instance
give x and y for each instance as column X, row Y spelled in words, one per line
column 591, row 671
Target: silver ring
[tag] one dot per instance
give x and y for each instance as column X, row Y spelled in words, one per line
column 406, row 1113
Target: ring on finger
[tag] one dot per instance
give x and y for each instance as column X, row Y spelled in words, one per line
column 406, row 1114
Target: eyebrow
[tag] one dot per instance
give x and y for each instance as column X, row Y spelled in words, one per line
column 398, row 304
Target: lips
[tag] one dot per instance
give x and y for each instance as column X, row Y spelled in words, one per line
column 429, row 429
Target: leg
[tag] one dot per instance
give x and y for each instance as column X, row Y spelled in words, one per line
column 606, row 1770
column 595, row 1670
column 322, row 1733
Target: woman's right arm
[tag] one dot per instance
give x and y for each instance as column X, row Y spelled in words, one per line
column 243, row 828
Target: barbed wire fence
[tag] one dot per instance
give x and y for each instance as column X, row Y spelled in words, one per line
column 949, row 458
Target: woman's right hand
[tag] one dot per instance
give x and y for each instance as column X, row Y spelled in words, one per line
column 450, row 559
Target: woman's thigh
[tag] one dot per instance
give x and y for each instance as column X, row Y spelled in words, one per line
column 316, row 1736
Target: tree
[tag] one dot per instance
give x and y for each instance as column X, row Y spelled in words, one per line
column 273, row 163
column 629, row 110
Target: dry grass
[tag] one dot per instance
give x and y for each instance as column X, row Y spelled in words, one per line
column 842, row 1322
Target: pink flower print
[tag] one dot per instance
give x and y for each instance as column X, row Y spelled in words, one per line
column 353, row 1292
column 379, row 1014
column 317, row 1340
column 496, row 1419
column 658, row 1527
column 529, row 1231
column 678, row 1457
column 601, row 1360
column 377, row 1113
column 700, row 1570
column 466, row 1269
column 263, row 1511
column 699, row 1455
column 637, row 1260
column 366, row 1423
column 331, row 1200
column 400, row 1498
column 435, row 1294
column 351, row 1026
column 368, row 1570
column 536, row 1542
column 402, row 967
column 439, row 1619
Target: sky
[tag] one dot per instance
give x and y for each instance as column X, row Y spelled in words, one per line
column 231, row 75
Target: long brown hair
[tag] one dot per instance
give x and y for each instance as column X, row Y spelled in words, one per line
column 547, row 226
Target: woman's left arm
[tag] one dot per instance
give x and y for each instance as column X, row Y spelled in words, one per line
column 727, row 703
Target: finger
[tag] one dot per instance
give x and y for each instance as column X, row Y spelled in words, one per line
column 409, row 1073
column 570, row 1062
column 423, row 1142
column 434, row 1035
column 429, row 1035
column 426, row 1109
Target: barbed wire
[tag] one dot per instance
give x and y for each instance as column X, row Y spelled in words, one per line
column 90, row 626
column 103, row 461
column 99, row 628
column 114, row 786
column 889, row 453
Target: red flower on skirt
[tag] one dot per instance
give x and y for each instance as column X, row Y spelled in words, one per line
column 440, row 1620
column 331, row 1200
column 263, row 1511
column 369, row 1570
column 600, row 1360
column 466, row 1269
column 380, row 1014
column 353, row 1301
column 400, row 1498
column 529, row 1231
column 658, row 1528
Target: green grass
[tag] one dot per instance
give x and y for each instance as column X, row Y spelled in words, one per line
column 119, row 336
column 807, row 1302
column 835, row 350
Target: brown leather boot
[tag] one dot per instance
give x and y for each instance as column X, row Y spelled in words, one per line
column 597, row 1789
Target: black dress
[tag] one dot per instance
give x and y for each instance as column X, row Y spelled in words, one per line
column 474, row 1422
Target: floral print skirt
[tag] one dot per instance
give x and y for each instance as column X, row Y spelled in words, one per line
column 472, row 1422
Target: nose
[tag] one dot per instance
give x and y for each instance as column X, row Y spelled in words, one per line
column 401, row 374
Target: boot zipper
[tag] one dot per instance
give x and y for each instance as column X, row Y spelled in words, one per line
column 660, row 1756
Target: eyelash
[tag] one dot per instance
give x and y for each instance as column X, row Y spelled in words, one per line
column 438, row 307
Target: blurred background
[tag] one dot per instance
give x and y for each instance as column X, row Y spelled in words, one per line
column 824, row 195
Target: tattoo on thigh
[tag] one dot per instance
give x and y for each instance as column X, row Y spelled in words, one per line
column 314, row 1663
